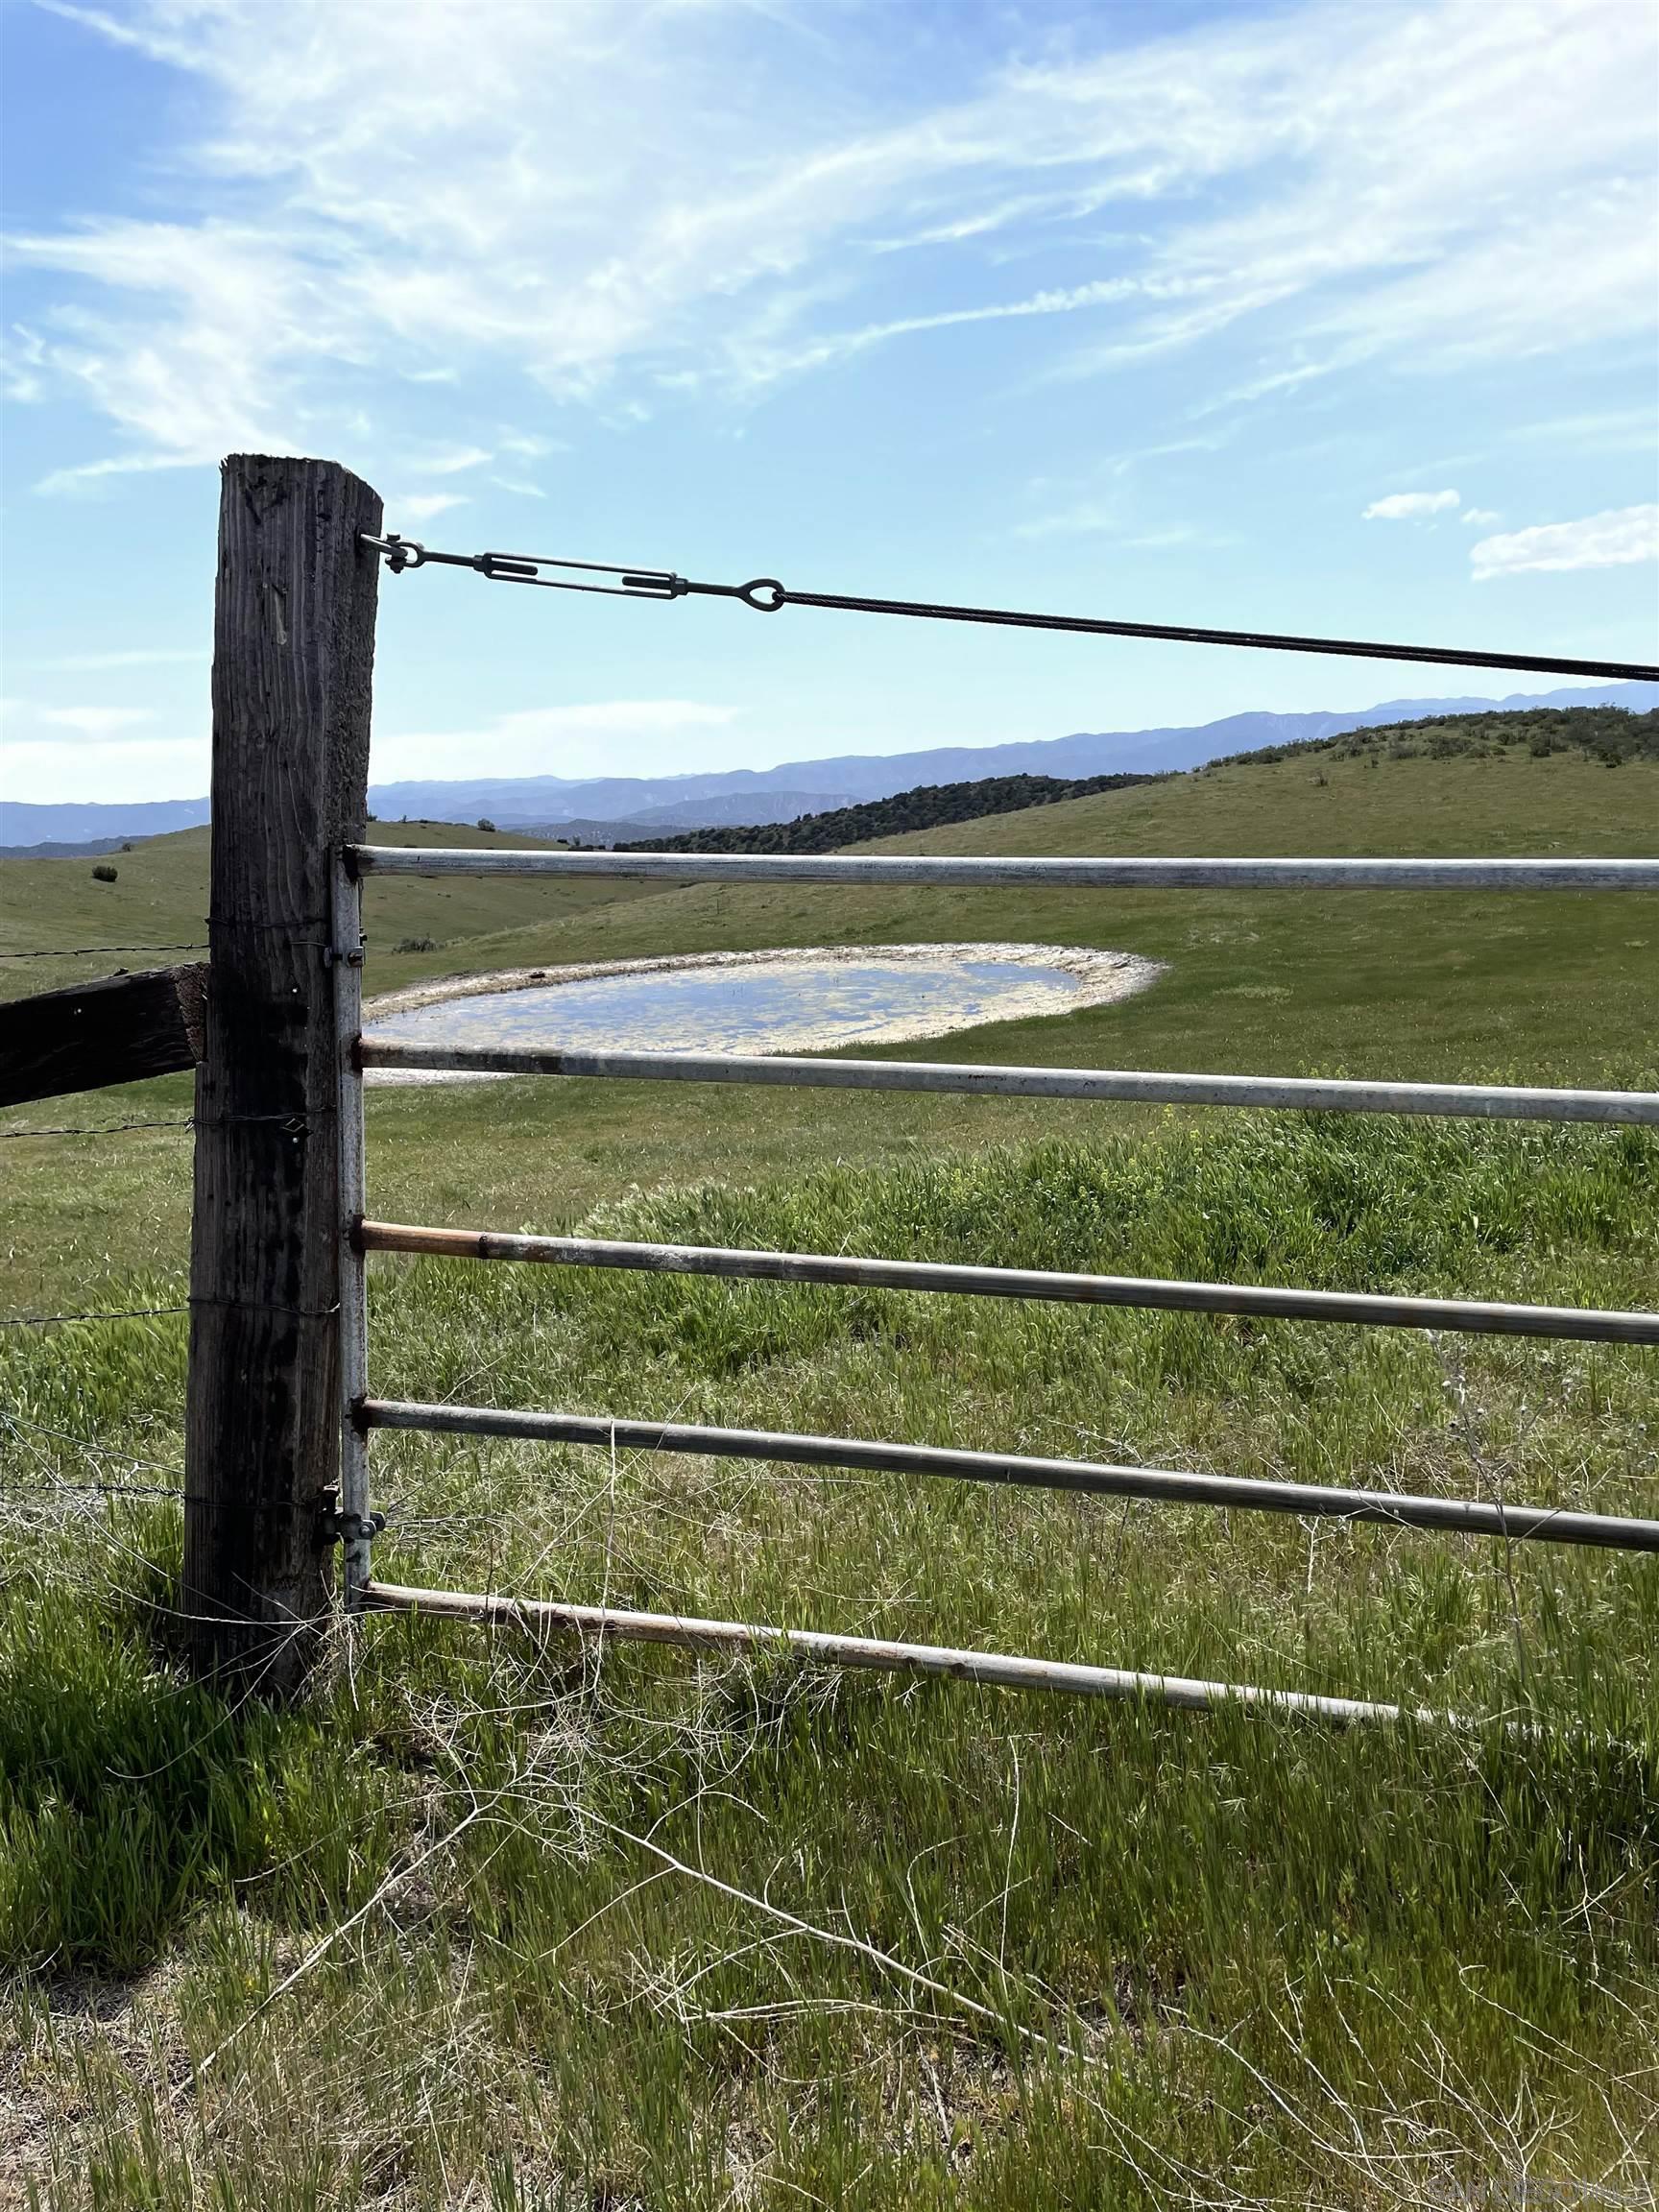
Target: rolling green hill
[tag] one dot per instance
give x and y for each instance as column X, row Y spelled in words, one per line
column 1607, row 733
column 1505, row 799
column 540, row 1929
column 925, row 806
column 1549, row 987
column 160, row 897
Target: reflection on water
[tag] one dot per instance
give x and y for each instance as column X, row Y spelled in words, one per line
column 773, row 1007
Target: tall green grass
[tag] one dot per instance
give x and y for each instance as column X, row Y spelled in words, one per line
column 493, row 1922
column 648, row 1929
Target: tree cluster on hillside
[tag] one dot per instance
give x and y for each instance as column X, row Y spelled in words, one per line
column 925, row 807
column 1607, row 733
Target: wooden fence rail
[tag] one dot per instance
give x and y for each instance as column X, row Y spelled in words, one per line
column 119, row 1029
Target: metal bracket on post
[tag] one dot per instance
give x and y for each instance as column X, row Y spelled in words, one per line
column 352, row 1523
column 334, row 1525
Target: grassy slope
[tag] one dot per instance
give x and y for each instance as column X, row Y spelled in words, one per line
column 1316, row 1969
column 1541, row 988
column 924, row 807
column 160, row 897
column 1607, row 733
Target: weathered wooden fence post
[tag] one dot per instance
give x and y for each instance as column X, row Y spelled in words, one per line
column 293, row 653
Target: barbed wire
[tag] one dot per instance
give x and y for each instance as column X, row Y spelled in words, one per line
column 21, row 1421
column 295, row 1123
column 20, row 1424
column 113, row 1489
column 151, row 1313
column 113, row 1313
column 99, row 1128
column 78, row 952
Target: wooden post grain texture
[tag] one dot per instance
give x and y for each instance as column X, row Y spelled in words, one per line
column 293, row 656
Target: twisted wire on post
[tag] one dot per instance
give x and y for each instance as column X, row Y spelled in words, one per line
column 99, row 1128
column 76, row 951
column 118, row 1313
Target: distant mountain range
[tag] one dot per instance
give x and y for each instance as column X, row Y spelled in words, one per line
column 731, row 810
column 78, row 826
column 58, row 849
column 619, row 808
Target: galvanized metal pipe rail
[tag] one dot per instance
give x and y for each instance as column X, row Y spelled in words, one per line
column 1000, row 1669
column 1097, row 874
column 1163, row 1486
column 1469, row 1516
column 1469, row 1316
column 1313, row 1094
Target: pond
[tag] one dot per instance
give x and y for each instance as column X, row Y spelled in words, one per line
column 781, row 1001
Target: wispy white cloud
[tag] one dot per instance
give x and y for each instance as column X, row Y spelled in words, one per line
column 1093, row 518
column 605, row 736
column 1424, row 184
column 1083, row 517
column 1595, row 430
column 1480, row 516
column 1410, row 506
column 99, row 723
column 22, row 354
column 1168, row 448
column 35, row 737
column 1181, row 538
column 133, row 657
column 422, row 506
column 1272, row 382
column 195, row 337
column 113, row 769
column 1608, row 540
column 760, row 365
column 85, row 475
column 530, row 445
column 454, row 462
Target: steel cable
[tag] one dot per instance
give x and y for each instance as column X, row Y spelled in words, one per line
column 766, row 596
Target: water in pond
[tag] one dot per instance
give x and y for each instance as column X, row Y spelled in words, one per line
column 794, row 1003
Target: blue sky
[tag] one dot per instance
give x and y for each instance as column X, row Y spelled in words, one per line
column 1316, row 317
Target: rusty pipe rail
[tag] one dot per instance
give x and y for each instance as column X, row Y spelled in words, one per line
column 1469, row 1316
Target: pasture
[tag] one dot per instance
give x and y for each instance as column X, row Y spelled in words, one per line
column 484, row 1924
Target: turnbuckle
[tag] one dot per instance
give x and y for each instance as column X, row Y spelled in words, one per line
column 401, row 553
column 764, row 594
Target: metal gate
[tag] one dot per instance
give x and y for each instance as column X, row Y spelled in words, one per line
column 362, row 1413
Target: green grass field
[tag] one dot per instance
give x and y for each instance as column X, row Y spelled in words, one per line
column 486, row 1924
